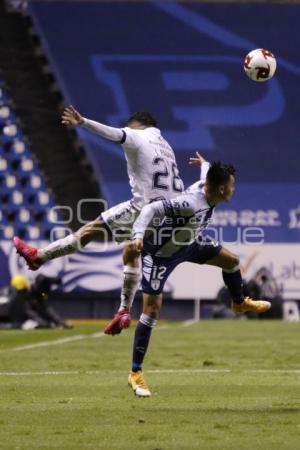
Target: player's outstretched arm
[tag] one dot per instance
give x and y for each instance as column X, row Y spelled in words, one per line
column 72, row 117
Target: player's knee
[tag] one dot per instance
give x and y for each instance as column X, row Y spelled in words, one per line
column 152, row 306
column 228, row 260
column 234, row 261
column 152, row 311
column 153, row 314
column 92, row 228
column 130, row 257
column 90, row 231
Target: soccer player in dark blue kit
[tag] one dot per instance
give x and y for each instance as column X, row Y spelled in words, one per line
column 169, row 232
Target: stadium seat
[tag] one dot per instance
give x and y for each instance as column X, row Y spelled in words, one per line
column 3, row 165
column 19, row 147
column 10, row 181
column 17, row 198
column 24, row 216
column 33, row 233
column 43, row 198
column 26, row 165
column 5, row 113
column 35, row 181
column 11, row 130
column 6, row 232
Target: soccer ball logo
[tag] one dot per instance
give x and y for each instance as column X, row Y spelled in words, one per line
column 260, row 65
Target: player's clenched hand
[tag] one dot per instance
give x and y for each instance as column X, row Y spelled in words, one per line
column 198, row 160
column 137, row 245
column 71, row 117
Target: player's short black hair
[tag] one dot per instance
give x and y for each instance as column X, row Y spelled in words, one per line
column 219, row 173
column 144, row 117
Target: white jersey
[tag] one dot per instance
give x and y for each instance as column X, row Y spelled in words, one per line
column 174, row 223
column 151, row 166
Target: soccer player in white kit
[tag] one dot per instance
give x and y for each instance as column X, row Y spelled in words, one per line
column 153, row 175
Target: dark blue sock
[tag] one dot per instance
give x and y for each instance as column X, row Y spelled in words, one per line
column 234, row 282
column 141, row 341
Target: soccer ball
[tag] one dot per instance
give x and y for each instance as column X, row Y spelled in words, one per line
column 260, row 64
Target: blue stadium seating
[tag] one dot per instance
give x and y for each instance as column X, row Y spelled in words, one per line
column 24, row 198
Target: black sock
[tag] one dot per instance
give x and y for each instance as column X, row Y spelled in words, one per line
column 234, row 282
column 141, row 341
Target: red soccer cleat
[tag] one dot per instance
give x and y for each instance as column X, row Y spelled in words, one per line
column 121, row 320
column 30, row 254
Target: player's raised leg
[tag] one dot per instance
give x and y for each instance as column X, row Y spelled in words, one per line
column 232, row 277
column 36, row 257
column 152, row 304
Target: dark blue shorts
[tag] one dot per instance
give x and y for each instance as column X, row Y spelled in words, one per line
column 156, row 270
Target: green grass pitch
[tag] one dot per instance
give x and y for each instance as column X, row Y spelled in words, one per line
column 215, row 385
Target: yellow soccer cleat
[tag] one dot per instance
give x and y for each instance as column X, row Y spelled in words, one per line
column 138, row 384
column 258, row 306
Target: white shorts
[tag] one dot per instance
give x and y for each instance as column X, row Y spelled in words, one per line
column 120, row 219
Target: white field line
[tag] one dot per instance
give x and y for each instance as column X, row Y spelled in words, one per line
column 189, row 322
column 187, row 371
column 275, row 370
column 78, row 337
column 169, row 371
column 31, row 374
column 67, row 340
